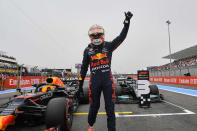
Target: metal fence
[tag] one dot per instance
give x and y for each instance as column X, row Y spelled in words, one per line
column 176, row 72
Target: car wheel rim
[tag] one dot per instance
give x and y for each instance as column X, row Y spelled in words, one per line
column 69, row 117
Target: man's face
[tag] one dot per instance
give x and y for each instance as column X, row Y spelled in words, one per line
column 97, row 41
column 96, row 34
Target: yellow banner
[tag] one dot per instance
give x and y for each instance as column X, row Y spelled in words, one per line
column 9, row 70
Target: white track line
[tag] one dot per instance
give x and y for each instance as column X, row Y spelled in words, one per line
column 186, row 112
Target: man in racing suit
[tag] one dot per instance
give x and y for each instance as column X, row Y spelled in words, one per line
column 98, row 55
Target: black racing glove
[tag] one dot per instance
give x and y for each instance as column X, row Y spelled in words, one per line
column 128, row 16
column 80, row 93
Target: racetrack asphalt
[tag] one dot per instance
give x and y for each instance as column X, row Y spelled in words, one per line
column 178, row 112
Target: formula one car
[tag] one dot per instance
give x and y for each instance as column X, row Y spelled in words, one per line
column 73, row 82
column 128, row 90
column 51, row 100
column 125, row 89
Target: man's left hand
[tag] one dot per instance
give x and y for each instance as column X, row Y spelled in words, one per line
column 128, row 15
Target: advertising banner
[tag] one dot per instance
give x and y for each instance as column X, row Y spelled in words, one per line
column 181, row 80
column 26, row 81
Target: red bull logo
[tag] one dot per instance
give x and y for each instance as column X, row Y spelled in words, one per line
column 100, row 62
column 99, row 56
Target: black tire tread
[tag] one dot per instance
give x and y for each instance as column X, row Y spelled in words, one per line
column 56, row 112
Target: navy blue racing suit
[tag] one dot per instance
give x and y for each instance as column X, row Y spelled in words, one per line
column 99, row 59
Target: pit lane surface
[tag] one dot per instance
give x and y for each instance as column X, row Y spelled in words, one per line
column 177, row 113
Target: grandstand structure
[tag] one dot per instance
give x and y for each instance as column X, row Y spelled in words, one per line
column 8, row 64
column 184, row 64
column 9, row 67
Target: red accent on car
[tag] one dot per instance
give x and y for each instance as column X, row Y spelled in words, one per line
column 36, row 99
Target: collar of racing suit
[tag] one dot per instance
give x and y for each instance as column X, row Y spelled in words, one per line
column 97, row 46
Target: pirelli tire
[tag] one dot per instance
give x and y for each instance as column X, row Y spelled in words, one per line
column 118, row 90
column 75, row 104
column 59, row 114
column 85, row 99
column 154, row 90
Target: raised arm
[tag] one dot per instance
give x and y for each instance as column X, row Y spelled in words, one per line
column 118, row 40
